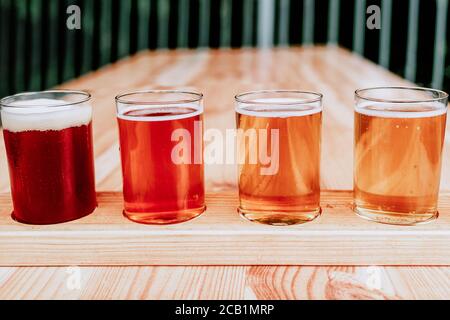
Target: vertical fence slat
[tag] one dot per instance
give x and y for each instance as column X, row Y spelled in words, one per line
column 440, row 44
column 359, row 27
column 105, row 32
column 19, row 74
column 123, row 46
column 411, row 46
column 69, row 51
column 385, row 36
column 183, row 24
column 283, row 28
column 308, row 22
column 144, row 9
column 163, row 23
column 265, row 23
column 225, row 23
column 333, row 22
column 36, row 53
column 51, row 78
column 88, row 35
column 247, row 33
column 204, row 22
column 5, row 9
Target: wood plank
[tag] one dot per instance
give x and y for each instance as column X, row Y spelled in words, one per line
column 248, row 22
column 88, row 36
column 36, row 22
column 53, row 44
column 5, row 38
column 232, row 282
column 106, row 32
column 204, row 22
column 143, row 11
column 69, row 70
column 20, row 44
column 123, row 38
column 222, row 237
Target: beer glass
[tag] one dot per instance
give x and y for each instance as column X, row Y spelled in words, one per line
column 161, row 144
column 279, row 139
column 48, row 140
column 399, row 136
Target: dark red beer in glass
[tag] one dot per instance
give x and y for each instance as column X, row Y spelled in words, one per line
column 161, row 147
column 48, row 140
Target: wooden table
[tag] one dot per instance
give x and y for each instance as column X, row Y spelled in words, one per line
column 220, row 74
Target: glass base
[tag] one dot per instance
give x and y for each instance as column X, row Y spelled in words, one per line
column 396, row 218
column 47, row 223
column 161, row 218
column 279, row 218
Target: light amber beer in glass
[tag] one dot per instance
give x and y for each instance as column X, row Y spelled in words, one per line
column 48, row 141
column 161, row 148
column 399, row 136
column 279, row 139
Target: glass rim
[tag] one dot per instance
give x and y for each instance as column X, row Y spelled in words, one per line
column 318, row 97
column 87, row 96
column 196, row 97
column 359, row 93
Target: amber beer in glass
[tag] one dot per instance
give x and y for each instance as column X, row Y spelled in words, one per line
column 399, row 136
column 161, row 144
column 48, row 140
column 279, row 139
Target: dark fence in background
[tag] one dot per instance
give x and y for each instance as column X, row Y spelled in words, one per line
column 38, row 51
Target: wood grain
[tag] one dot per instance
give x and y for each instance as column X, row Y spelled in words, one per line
column 221, row 237
column 220, row 74
column 233, row 282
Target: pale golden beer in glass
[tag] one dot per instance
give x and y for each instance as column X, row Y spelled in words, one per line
column 279, row 137
column 399, row 136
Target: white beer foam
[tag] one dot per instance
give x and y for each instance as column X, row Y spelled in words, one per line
column 44, row 114
column 152, row 109
column 290, row 107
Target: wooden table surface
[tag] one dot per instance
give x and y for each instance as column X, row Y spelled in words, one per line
column 220, row 74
